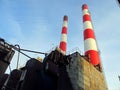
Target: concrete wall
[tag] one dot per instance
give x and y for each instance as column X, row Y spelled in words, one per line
column 83, row 75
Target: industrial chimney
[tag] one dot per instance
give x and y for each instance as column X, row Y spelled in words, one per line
column 63, row 42
column 90, row 44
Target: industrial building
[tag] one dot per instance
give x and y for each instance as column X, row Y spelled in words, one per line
column 58, row 71
column 83, row 75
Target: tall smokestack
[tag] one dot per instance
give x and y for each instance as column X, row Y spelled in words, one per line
column 90, row 44
column 63, row 42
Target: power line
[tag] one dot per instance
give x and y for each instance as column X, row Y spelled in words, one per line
column 32, row 51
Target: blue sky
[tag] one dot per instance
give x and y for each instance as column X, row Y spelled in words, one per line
column 36, row 25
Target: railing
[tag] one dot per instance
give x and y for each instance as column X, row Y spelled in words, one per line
column 76, row 49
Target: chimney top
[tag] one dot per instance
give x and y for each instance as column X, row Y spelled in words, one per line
column 65, row 18
column 84, row 6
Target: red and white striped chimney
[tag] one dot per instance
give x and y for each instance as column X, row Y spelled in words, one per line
column 63, row 43
column 90, row 44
